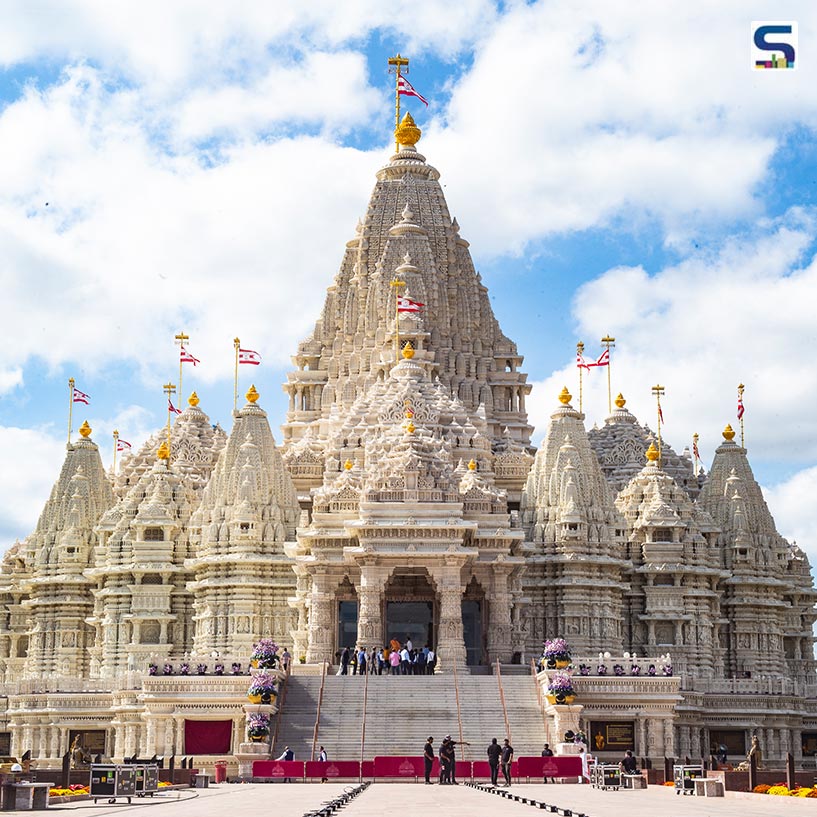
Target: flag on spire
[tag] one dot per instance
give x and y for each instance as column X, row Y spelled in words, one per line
column 660, row 413
column 581, row 363
column 741, row 409
column 80, row 397
column 407, row 305
column 604, row 359
column 695, row 452
column 249, row 356
column 171, row 408
column 405, row 88
column 122, row 445
column 186, row 357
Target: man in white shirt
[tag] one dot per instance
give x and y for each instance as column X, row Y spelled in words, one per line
column 404, row 661
column 431, row 662
column 287, row 755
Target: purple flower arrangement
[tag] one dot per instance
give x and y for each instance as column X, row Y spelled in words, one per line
column 651, row 670
column 236, row 668
column 635, row 670
column 557, row 648
column 561, row 685
column 184, row 669
column 618, row 669
column 264, row 653
column 201, row 669
column 584, row 669
column 667, row 669
column 219, row 668
column 601, row 669
column 257, row 725
column 263, row 684
column 167, row 669
column 152, row 669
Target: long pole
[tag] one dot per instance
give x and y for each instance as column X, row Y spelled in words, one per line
column 395, row 66
column 169, row 389
column 180, row 339
column 658, row 391
column 397, row 284
column 71, row 382
column 741, row 387
column 236, row 344
column 579, row 356
column 609, row 343
column 115, row 446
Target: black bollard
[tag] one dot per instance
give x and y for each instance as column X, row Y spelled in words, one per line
column 65, row 778
column 752, row 772
column 790, row 781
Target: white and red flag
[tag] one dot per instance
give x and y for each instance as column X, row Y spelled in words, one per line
column 171, row 408
column 405, row 88
column 741, row 409
column 407, row 305
column 604, row 359
column 186, row 357
column 695, row 452
column 123, row 445
column 660, row 413
column 80, row 397
column 249, row 356
column 581, row 363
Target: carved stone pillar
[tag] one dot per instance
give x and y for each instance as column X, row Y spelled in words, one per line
column 684, row 747
column 641, row 744
column 179, row 743
column 450, row 640
column 321, row 635
column 150, row 737
column 695, row 744
column 54, row 748
column 369, row 616
column 669, row 738
column 168, row 740
column 499, row 628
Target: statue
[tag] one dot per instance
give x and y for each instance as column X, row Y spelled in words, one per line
column 755, row 752
column 80, row 757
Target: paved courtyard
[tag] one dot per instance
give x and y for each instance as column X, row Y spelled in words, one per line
column 293, row 800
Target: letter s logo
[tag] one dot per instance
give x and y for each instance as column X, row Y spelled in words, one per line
column 761, row 43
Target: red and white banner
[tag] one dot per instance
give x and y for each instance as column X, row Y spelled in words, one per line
column 405, row 88
column 604, row 359
column 407, row 305
column 186, row 357
column 80, row 397
column 249, row 356
column 695, row 451
column 660, row 413
column 171, row 408
column 581, row 363
column 741, row 409
column 123, row 445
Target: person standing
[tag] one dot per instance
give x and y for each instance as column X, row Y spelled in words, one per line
column 494, row 754
column 547, row 752
column 446, row 759
column 285, row 659
column 323, row 758
column 507, row 759
column 453, row 746
column 431, row 662
column 404, row 661
column 394, row 660
column 428, row 758
column 361, row 660
column 287, row 754
column 344, row 661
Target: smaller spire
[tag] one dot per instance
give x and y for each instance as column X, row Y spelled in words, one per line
column 252, row 395
column 620, row 401
column 472, row 465
column 565, row 396
column 652, row 453
column 408, row 350
column 85, row 430
column 193, row 400
column 728, row 433
column 163, row 452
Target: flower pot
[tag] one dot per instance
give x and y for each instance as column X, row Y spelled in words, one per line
column 254, row 699
column 266, row 697
column 561, row 663
column 569, row 699
column 258, row 738
column 551, row 698
column 254, row 663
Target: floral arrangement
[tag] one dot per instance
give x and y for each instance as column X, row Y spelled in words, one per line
column 184, row 669
column 219, row 668
column 168, row 669
column 667, row 669
column 152, row 669
column 71, row 791
column 257, row 725
column 201, row 669
column 262, row 684
column 236, row 668
column 601, row 670
column 618, row 669
column 584, row 669
column 580, row 737
column 561, row 685
column 651, row 670
column 635, row 670
column 761, row 789
column 557, row 649
column 264, row 654
column 779, row 789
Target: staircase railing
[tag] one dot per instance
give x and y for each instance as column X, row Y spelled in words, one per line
column 540, row 698
column 363, row 725
column 324, row 668
column 281, row 701
column 502, row 701
column 457, row 699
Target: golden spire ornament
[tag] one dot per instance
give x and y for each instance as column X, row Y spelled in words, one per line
column 658, row 391
column 565, row 396
column 398, row 66
column 85, row 430
column 252, row 395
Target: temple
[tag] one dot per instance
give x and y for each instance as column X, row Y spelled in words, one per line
column 405, row 500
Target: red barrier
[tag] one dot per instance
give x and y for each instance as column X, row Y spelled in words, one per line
column 391, row 766
column 278, row 768
column 562, row 766
column 332, row 768
column 482, row 769
column 367, row 768
column 463, row 769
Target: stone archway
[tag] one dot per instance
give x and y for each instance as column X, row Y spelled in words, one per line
column 410, row 607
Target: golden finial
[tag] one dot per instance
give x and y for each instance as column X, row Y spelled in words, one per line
column 407, row 133
column 408, row 351
column 410, row 427
column 193, row 400
column 728, row 433
column 252, row 395
column 348, row 465
column 652, row 453
column 565, row 396
column 164, row 451
column 620, row 401
column 85, row 430
column 472, row 465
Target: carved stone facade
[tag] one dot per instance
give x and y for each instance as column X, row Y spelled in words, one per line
column 406, row 486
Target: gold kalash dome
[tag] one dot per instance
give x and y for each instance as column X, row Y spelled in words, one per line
column 405, row 499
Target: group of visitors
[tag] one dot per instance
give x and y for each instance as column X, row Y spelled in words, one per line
column 497, row 755
column 395, row 659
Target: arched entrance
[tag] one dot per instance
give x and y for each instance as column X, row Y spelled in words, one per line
column 347, row 610
column 411, row 607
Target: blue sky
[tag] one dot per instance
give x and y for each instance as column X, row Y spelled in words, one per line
column 616, row 170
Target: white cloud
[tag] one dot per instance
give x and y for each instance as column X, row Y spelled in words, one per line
column 792, row 504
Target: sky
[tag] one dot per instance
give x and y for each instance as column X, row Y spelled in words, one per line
column 618, row 168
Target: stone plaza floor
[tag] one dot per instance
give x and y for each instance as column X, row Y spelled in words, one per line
column 295, row 799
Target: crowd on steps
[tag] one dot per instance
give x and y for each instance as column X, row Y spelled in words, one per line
column 394, row 659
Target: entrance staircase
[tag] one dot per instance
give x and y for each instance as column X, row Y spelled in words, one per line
column 402, row 711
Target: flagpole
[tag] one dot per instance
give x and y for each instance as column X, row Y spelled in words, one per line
column 396, row 283
column 609, row 343
column 695, row 439
column 168, row 389
column 395, row 64
column 579, row 354
column 658, row 391
column 70, row 407
column 180, row 339
column 115, row 444
column 236, row 344
column 741, row 387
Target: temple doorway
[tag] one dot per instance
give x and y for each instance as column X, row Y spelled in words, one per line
column 410, row 608
column 472, row 623
column 347, row 615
